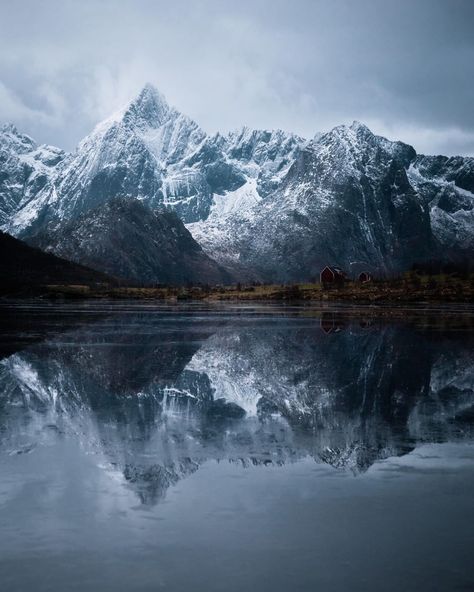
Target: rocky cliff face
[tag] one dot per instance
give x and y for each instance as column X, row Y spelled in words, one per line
column 127, row 239
column 26, row 171
column 446, row 187
column 345, row 198
column 267, row 204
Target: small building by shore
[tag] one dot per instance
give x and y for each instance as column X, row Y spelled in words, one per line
column 364, row 277
column 332, row 275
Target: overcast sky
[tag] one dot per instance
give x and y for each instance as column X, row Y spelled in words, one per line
column 403, row 67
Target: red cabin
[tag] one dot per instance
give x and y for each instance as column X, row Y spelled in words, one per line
column 365, row 277
column 332, row 275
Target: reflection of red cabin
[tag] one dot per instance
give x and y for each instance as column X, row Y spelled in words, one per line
column 331, row 275
column 329, row 323
column 365, row 277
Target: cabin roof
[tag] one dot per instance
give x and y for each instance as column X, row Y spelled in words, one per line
column 334, row 269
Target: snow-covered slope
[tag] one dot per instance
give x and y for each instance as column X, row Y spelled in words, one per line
column 269, row 204
column 134, row 153
column 265, row 156
column 346, row 198
column 25, row 171
column 446, row 186
column 148, row 151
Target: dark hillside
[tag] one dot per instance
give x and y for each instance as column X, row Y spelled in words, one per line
column 25, row 268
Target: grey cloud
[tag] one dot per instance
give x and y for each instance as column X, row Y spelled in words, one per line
column 406, row 68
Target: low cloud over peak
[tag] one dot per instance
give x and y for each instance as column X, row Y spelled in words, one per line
column 405, row 69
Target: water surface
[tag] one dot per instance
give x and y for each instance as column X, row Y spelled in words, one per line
column 236, row 448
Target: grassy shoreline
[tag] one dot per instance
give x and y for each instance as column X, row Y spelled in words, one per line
column 411, row 288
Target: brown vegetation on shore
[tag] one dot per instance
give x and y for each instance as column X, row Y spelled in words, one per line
column 412, row 287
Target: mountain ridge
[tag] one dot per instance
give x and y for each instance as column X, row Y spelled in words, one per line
column 266, row 204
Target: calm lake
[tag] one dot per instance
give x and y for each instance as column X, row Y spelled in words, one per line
column 236, row 448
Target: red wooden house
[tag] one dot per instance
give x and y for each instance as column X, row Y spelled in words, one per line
column 365, row 277
column 332, row 275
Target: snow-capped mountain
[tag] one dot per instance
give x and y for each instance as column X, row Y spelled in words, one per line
column 151, row 152
column 139, row 152
column 346, row 198
column 26, row 171
column 266, row 204
column 447, row 187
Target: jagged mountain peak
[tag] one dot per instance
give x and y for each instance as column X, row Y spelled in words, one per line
column 355, row 133
column 360, row 128
column 266, row 199
column 132, row 154
column 355, row 144
column 12, row 136
column 9, row 128
column 261, row 146
column 246, row 134
column 147, row 112
column 23, row 145
column 149, row 108
column 149, row 92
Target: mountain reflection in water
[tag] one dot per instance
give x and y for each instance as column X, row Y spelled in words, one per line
column 157, row 393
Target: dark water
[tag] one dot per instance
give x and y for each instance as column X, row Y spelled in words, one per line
column 236, row 449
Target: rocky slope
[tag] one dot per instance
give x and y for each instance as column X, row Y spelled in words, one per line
column 346, row 198
column 446, row 186
column 267, row 204
column 148, row 151
column 26, row 171
column 125, row 238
